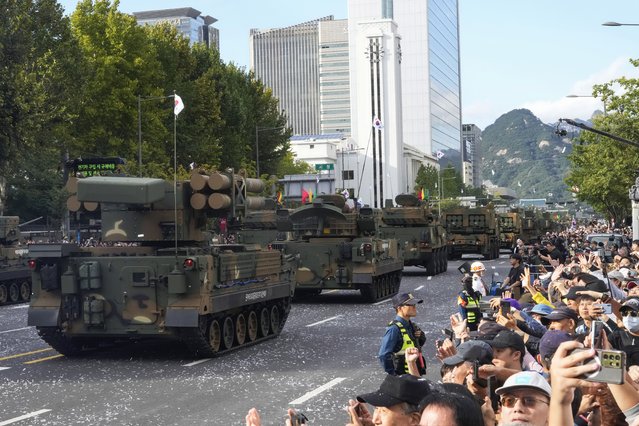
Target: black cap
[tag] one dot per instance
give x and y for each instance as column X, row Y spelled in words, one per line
column 487, row 331
column 472, row 350
column 631, row 304
column 572, row 293
column 562, row 313
column 598, row 286
column 397, row 389
column 516, row 256
column 405, row 299
column 551, row 340
column 509, row 339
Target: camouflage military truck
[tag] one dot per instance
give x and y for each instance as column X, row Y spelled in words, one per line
column 418, row 231
column 157, row 276
column 529, row 227
column 510, row 224
column 340, row 250
column 15, row 275
column 473, row 230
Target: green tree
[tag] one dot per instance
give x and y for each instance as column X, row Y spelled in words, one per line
column 602, row 170
column 41, row 71
column 427, row 178
column 289, row 165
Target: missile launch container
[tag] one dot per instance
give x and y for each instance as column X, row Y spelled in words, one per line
column 156, row 275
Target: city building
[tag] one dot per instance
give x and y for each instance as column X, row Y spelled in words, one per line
column 287, row 61
column 189, row 22
column 427, row 84
column 471, row 155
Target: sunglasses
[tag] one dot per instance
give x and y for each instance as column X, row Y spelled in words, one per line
column 527, row 401
column 629, row 314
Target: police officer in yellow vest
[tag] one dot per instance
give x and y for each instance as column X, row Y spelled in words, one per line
column 401, row 334
column 468, row 301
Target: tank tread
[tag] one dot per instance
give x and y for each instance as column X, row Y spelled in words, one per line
column 383, row 287
column 68, row 346
column 197, row 342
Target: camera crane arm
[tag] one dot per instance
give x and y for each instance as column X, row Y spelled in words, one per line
column 599, row 132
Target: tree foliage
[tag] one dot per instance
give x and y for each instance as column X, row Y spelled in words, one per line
column 603, row 169
column 79, row 85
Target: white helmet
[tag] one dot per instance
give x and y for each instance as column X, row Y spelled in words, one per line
column 477, row 267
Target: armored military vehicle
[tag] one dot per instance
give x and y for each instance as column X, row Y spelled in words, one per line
column 258, row 227
column 15, row 275
column 155, row 274
column 418, row 231
column 472, row 230
column 510, row 224
column 340, row 250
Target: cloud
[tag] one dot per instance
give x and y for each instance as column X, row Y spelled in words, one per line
column 581, row 107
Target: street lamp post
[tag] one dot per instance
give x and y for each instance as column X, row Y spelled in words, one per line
column 589, row 96
column 140, row 100
column 257, row 145
column 617, row 24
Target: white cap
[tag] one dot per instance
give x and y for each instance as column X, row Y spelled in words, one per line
column 523, row 380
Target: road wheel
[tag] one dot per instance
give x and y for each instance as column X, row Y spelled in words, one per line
column 228, row 335
column 215, row 336
column 264, row 322
column 25, row 290
column 3, row 294
column 14, row 292
column 240, row 329
column 275, row 319
column 251, row 326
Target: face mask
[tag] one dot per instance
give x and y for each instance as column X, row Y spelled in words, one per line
column 631, row 324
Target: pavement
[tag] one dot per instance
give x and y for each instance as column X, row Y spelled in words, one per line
column 325, row 356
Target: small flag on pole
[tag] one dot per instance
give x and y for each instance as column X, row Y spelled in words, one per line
column 439, row 155
column 179, row 105
column 563, row 150
column 305, row 196
column 310, row 195
column 377, row 123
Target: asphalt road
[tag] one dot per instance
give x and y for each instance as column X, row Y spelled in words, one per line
column 325, row 355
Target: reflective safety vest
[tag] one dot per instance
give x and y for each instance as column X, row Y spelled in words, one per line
column 471, row 305
column 399, row 358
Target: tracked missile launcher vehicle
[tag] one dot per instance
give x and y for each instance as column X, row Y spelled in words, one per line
column 418, row 231
column 15, row 275
column 510, row 225
column 340, row 250
column 156, row 275
column 472, row 230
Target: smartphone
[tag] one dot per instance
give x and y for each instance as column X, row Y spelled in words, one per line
column 597, row 335
column 359, row 412
column 607, row 307
column 449, row 333
column 439, row 342
column 494, row 398
column 478, row 380
column 612, row 366
column 504, row 308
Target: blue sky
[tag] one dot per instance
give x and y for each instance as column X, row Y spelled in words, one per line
column 514, row 53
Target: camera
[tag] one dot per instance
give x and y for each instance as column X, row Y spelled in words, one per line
column 612, row 366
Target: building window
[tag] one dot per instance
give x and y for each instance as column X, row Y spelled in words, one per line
column 348, row 175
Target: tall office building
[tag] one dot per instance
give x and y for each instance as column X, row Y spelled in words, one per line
column 287, row 60
column 430, row 85
column 471, row 155
column 334, row 83
column 189, row 22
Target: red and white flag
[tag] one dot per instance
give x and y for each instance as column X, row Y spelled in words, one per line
column 179, row 105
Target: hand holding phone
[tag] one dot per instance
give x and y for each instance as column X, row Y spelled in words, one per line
column 491, row 387
column 478, row 380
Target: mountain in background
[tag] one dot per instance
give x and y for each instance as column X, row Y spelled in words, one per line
column 522, row 153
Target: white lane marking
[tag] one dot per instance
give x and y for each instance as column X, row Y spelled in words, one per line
column 15, row 329
column 26, row 416
column 502, row 262
column 4, row 368
column 492, row 267
column 324, row 320
column 19, row 307
column 315, row 392
column 199, row 361
column 429, row 278
column 381, row 302
column 419, row 288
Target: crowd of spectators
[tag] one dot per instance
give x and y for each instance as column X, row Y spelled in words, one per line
column 556, row 343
